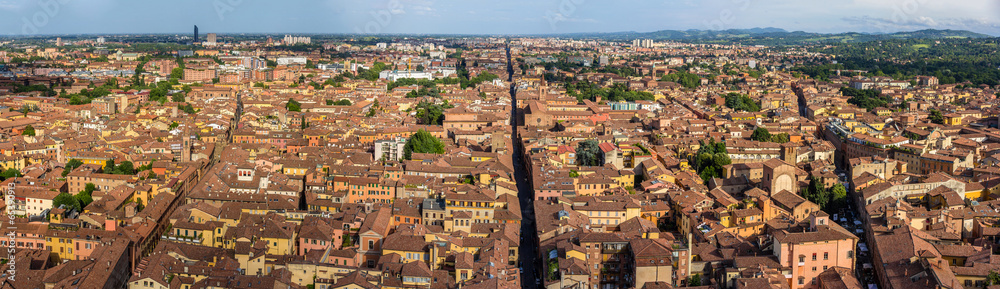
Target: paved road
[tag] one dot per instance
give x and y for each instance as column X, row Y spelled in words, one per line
column 529, row 236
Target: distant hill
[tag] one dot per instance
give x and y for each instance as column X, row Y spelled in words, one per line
column 774, row 36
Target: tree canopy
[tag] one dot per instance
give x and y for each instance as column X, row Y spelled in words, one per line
column 430, row 113
column 342, row 102
column 293, row 105
column 762, row 135
column 71, row 165
column 70, row 201
column 28, row 131
column 618, row 92
column 710, row 159
column 688, row 80
column 10, row 173
column 865, row 98
column 424, row 143
column 588, row 154
column 741, row 102
column 936, row 116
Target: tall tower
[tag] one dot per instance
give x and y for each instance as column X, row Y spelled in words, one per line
column 186, row 148
column 196, row 34
column 790, row 153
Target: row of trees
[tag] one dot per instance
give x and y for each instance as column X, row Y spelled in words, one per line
column 421, row 82
column 763, row 135
column 618, row 92
column 342, row 102
column 686, row 79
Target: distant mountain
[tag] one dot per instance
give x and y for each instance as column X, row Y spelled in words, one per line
column 774, row 36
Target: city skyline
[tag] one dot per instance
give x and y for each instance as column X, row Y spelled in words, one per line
column 519, row 17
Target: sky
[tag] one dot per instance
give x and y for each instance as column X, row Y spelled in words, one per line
column 34, row 17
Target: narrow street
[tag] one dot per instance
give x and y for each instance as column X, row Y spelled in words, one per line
column 850, row 217
column 529, row 236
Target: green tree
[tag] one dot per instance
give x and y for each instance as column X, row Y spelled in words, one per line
column 177, row 73
column 89, row 188
column 422, row 142
column 70, row 201
column 28, row 131
column 293, row 105
column 993, row 278
column 10, row 173
column 741, row 102
column 838, row 195
column 710, row 159
column 125, row 168
column 817, row 193
column 780, row 138
column 375, row 107
column 177, row 97
column 85, row 197
column 688, row 80
column 867, row 98
column 695, row 280
column 936, row 116
column 761, row 134
column 342, row 102
column 187, row 108
column 432, row 114
column 588, row 154
column 71, row 165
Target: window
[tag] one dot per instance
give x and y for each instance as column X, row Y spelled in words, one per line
column 371, row 245
column 814, row 258
column 802, row 280
column 825, row 267
column 826, row 256
column 850, row 254
column 814, row 269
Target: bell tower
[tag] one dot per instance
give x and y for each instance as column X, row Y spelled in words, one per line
column 186, row 146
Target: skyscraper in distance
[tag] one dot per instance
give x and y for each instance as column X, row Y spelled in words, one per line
column 196, row 34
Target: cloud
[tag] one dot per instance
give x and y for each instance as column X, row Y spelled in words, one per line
column 906, row 23
column 9, row 5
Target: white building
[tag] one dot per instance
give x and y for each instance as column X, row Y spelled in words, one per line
column 211, row 39
column 291, row 60
column 391, row 150
column 292, row 40
column 400, row 74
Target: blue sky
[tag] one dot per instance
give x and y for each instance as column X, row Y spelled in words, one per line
column 489, row 17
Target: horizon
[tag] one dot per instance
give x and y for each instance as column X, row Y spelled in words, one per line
column 516, row 17
column 473, row 35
